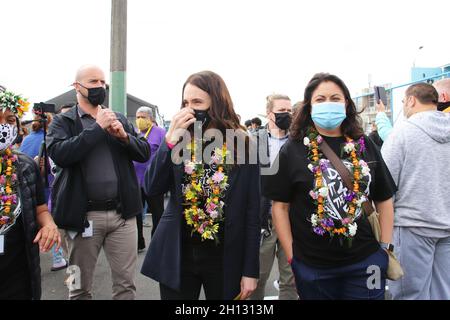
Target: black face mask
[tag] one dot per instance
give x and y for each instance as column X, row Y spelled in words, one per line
column 443, row 105
column 96, row 96
column 283, row 120
column 203, row 117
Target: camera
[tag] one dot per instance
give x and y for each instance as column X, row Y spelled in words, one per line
column 41, row 108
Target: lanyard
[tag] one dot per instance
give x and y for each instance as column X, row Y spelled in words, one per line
column 148, row 132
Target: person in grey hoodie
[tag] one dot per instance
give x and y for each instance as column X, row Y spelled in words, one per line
column 417, row 154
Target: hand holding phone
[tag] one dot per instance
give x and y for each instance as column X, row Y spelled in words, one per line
column 380, row 94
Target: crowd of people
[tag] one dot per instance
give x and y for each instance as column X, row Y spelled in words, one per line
column 303, row 188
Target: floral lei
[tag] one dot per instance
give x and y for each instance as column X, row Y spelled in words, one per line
column 321, row 220
column 8, row 185
column 204, row 204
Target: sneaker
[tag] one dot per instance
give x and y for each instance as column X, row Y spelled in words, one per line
column 60, row 266
column 276, row 284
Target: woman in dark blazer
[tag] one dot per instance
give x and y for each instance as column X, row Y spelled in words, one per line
column 180, row 257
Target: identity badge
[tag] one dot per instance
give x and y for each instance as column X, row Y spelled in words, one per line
column 88, row 232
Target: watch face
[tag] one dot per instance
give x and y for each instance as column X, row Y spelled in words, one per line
column 387, row 246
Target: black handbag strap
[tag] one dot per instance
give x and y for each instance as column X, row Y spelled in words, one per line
column 344, row 173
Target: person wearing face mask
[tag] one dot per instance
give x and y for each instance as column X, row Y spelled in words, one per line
column 417, row 154
column 384, row 124
column 273, row 136
column 208, row 235
column 26, row 226
column 154, row 135
column 96, row 195
column 321, row 225
column 443, row 89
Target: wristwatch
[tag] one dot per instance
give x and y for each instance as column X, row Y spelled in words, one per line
column 387, row 246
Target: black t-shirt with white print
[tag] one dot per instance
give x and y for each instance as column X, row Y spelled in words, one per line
column 293, row 183
column 15, row 281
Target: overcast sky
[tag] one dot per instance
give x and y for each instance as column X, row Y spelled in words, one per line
column 258, row 47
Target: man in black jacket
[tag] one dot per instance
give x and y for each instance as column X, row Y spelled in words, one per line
column 96, row 195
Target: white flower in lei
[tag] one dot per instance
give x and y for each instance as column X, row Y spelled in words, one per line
column 323, row 192
column 349, row 147
column 306, row 141
column 352, row 228
column 314, row 219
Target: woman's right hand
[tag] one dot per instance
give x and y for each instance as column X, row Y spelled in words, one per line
column 180, row 122
column 380, row 106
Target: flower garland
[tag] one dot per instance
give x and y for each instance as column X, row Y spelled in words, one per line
column 321, row 220
column 203, row 201
column 8, row 179
column 14, row 102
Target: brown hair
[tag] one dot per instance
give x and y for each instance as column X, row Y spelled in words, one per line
column 221, row 111
column 351, row 126
column 423, row 92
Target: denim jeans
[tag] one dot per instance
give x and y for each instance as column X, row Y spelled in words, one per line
column 365, row 280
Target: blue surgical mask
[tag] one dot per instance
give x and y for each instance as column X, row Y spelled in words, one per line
column 328, row 115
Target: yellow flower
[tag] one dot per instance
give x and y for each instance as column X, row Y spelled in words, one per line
column 190, row 195
column 207, row 235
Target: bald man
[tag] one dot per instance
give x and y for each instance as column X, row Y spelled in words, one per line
column 96, row 196
column 443, row 89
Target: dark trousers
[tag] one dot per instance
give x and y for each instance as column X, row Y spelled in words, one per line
column 354, row 282
column 17, row 289
column 200, row 266
column 139, row 223
column 156, row 208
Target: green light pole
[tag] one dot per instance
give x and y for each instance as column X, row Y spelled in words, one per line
column 118, row 88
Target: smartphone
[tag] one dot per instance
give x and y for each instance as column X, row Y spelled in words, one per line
column 44, row 107
column 380, row 94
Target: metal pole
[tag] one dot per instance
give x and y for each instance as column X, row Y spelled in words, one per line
column 117, row 89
